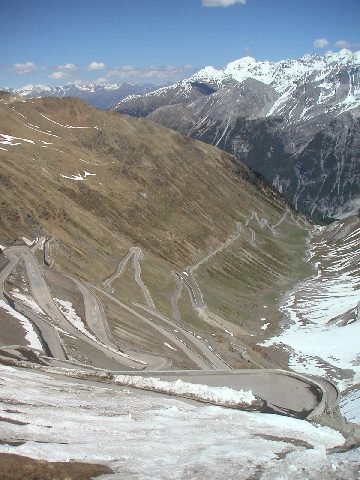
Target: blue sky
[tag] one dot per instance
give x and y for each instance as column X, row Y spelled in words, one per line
column 160, row 41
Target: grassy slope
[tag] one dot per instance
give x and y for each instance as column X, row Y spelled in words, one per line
column 174, row 197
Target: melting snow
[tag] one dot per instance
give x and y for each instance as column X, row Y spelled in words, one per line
column 350, row 405
column 40, row 131
column 29, row 302
column 316, row 346
column 27, row 241
column 227, row 331
column 147, row 436
column 79, row 177
column 222, row 395
column 31, row 336
column 10, row 140
column 60, row 124
column 69, row 313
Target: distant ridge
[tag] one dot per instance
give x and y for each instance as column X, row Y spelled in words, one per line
column 99, row 95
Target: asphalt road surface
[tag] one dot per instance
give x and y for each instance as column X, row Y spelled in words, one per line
column 43, row 298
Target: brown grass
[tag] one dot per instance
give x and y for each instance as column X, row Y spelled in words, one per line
column 16, row 467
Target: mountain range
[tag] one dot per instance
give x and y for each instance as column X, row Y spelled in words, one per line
column 294, row 121
column 99, row 95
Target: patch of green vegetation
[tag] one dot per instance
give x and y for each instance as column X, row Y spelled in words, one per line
column 156, row 275
column 244, row 282
column 125, row 287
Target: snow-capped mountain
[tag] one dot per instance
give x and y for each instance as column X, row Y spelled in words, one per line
column 287, row 119
column 99, row 95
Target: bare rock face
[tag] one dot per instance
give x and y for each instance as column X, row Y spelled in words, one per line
column 294, row 121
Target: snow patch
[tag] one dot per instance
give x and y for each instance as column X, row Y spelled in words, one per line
column 31, row 335
column 79, row 177
column 60, row 124
column 10, row 140
column 27, row 241
column 220, row 395
column 69, row 313
column 350, row 405
column 28, row 301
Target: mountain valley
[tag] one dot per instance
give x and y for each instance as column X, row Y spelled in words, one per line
column 294, row 121
column 138, row 265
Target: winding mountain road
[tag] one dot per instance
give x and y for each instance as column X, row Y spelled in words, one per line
column 94, row 314
column 187, row 278
column 200, row 362
column 43, row 298
column 214, row 360
column 285, row 393
column 137, row 255
column 48, row 335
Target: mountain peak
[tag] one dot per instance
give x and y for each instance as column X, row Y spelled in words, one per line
column 209, row 74
column 343, row 56
column 279, row 74
column 242, row 62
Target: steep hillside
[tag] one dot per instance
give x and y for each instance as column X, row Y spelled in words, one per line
column 295, row 121
column 173, row 196
column 136, row 209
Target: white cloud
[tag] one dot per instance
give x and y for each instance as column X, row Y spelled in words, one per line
column 96, row 66
column 67, row 66
column 156, row 74
column 346, row 44
column 128, row 68
column 221, row 3
column 24, row 68
column 63, row 71
column 58, row 75
column 321, row 43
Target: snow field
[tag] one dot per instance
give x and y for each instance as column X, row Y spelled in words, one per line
column 316, row 346
column 350, row 405
column 143, row 436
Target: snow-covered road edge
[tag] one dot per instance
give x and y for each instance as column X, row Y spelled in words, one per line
column 216, row 395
